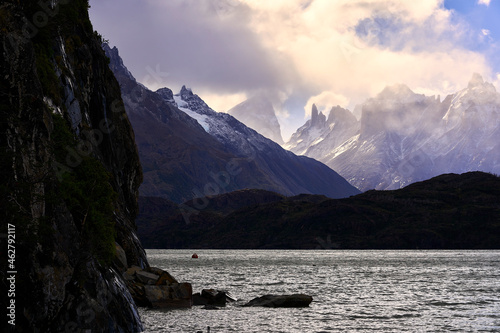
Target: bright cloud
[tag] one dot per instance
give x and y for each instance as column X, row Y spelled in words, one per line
column 484, row 2
column 496, row 83
column 349, row 50
column 324, row 102
column 305, row 51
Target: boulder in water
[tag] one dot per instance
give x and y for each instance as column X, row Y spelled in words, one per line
column 212, row 297
column 281, row 301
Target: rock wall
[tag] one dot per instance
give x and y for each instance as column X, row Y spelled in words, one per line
column 70, row 174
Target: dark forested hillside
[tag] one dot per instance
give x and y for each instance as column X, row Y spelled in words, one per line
column 445, row 212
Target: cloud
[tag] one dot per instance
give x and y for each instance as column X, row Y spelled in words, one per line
column 221, row 102
column 200, row 43
column 324, row 102
column 355, row 48
column 496, row 82
column 484, row 2
column 340, row 52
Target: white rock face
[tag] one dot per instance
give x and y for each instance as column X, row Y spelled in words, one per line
column 403, row 137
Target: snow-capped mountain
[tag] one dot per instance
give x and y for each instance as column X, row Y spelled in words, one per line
column 258, row 113
column 319, row 134
column 188, row 150
column 469, row 135
column 403, row 137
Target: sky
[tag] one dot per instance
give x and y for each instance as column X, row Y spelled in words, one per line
column 327, row 52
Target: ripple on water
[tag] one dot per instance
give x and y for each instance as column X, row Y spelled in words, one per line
column 354, row 291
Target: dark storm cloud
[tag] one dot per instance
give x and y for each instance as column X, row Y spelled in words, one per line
column 206, row 44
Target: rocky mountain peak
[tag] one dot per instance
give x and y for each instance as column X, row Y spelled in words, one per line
column 317, row 118
column 339, row 114
column 166, row 94
column 480, row 90
column 186, row 92
column 314, row 112
column 396, row 92
column 116, row 62
column 476, row 80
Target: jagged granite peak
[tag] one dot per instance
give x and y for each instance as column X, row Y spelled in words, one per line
column 478, row 103
column 312, row 138
column 314, row 113
column 318, row 119
column 186, row 92
column 187, row 100
column 188, row 151
column 257, row 112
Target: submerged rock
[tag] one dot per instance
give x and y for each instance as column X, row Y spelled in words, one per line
column 281, row 301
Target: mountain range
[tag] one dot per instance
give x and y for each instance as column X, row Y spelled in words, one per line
column 187, row 150
column 403, row 137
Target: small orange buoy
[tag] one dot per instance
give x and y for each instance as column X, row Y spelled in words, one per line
column 194, row 256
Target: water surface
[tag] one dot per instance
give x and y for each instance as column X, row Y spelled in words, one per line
column 353, row 291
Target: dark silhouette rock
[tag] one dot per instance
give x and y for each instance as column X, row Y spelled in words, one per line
column 282, row 301
column 212, row 297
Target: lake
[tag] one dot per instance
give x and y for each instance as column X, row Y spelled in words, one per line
column 353, row 291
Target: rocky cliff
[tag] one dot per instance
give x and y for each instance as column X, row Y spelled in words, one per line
column 70, row 175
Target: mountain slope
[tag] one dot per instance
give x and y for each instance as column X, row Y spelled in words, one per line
column 403, row 137
column 447, row 212
column 188, row 150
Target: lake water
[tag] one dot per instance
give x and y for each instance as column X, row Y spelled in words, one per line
column 353, row 291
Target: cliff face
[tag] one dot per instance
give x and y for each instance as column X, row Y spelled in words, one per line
column 70, row 174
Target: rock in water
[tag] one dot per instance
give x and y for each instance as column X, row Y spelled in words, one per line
column 176, row 295
column 212, row 297
column 282, row 301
